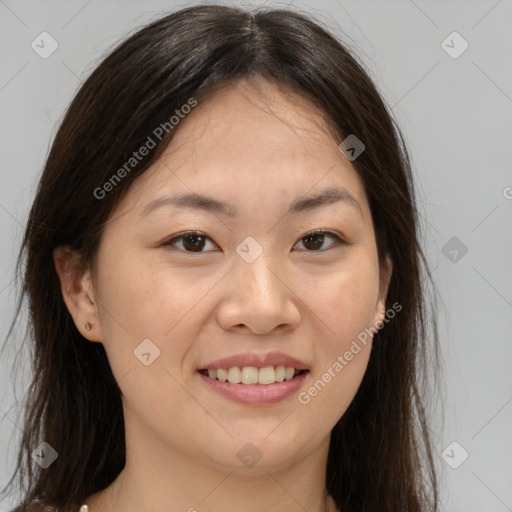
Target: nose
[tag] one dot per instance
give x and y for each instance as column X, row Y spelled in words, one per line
column 259, row 298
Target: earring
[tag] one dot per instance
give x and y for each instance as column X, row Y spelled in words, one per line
column 88, row 326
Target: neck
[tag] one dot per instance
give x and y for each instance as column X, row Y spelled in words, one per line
column 157, row 477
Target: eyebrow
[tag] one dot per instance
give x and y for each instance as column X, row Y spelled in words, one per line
column 210, row 204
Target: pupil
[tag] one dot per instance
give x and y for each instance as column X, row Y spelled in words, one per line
column 317, row 239
column 197, row 242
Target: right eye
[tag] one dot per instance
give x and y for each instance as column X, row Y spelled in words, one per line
column 190, row 241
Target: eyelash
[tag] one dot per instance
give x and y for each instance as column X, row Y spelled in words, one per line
column 338, row 240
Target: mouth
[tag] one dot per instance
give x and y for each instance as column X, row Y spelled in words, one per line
column 255, row 379
column 253, row 375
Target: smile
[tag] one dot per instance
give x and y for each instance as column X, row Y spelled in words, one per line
column 257, row 393
column 253, row 375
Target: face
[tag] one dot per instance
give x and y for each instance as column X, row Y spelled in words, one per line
column 270, row 277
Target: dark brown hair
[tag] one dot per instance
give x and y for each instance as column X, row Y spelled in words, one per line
column 380, row 456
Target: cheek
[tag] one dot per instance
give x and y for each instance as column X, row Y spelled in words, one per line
column 345, row 301
column 143, row 297
column 345, row 305
column 141, row 302
column 331, row 391
column 147, row 300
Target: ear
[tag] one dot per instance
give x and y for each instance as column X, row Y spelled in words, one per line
column 77, row 292
column 385, row 278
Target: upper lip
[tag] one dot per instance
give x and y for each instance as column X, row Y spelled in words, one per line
column 257, row 360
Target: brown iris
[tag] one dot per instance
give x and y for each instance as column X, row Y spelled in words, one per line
column 194, row 243
column 317, row 240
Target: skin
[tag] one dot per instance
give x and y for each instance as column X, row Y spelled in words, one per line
column 257, row 148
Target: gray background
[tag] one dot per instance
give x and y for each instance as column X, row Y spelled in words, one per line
column 456, row 115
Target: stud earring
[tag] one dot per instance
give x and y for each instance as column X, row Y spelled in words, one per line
column 88, row 326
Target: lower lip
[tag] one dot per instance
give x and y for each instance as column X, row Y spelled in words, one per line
column 256, row 394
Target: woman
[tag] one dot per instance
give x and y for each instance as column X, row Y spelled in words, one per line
column 225, row 282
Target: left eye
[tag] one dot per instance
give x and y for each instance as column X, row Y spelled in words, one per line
column 316, row 240
column 195, row 241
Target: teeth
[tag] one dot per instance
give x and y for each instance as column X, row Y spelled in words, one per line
column 234, row 375
column 253, row 375
column 267, row 375
column 250, row 375
column 280, row 373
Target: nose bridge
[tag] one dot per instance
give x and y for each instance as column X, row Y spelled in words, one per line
column 258, row 274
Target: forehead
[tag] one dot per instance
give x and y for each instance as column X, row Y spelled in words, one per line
column 257, row 114
column 249, row 141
